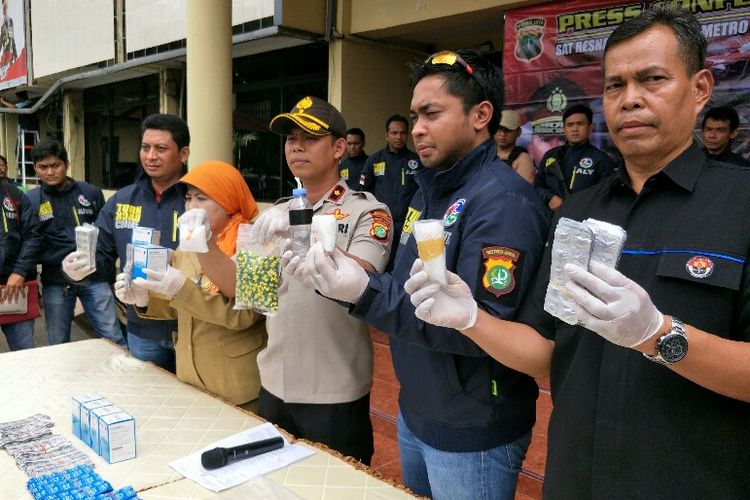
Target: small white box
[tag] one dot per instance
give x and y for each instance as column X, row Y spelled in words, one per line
column 86, row 417
column 76, row 416
column 145, row 236
column 94, row 417
column 149, row 256
column 117, row 437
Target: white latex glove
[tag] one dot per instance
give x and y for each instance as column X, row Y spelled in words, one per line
column 167, row 283
column 76, row 265
column 451, row 305
column 273, row 221
column 294, row 265
column 335, row 275
column 613, row 306
column 128, row 292
column 195, row 230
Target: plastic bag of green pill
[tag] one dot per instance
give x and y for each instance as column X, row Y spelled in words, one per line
column 258, row 274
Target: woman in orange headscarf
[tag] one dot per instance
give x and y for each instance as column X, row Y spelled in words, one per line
column 216, row 346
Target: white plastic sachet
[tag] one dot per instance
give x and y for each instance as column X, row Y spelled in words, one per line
column 324, row 229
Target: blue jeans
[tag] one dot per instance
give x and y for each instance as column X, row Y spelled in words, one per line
column 98, row 302
column 159, row 351
column 19, row 335
column 479, row 475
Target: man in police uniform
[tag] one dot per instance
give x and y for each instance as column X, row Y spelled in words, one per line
column 675, row 421
column 351, row 167
column 575, row 165
column 155, row 200
column 464, row 420
column 720, row 128
column 62, row 204
column 316, row 371
column 389, row 175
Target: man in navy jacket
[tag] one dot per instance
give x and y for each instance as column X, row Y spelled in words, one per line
column 155, row 200
column 61, row 204
column 465, row 420
column 19, row 244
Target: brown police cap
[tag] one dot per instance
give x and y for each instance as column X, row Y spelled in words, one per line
column 313, row 115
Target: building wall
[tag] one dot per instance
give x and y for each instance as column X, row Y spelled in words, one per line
column 369, row 83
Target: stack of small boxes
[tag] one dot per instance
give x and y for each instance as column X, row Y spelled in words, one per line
column 104, row 427
column 146, row 252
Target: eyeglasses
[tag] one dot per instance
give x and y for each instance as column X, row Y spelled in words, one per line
column 449, row 58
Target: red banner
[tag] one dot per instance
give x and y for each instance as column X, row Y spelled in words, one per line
column 552, row 59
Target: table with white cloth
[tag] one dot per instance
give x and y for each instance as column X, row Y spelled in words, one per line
column 173, row 419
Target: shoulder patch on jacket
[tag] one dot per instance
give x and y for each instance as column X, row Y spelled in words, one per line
column 500, row 269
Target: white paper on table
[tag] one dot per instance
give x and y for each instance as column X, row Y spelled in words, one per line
column 243, row 470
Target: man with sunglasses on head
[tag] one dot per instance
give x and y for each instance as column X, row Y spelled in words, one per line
column 465, row 420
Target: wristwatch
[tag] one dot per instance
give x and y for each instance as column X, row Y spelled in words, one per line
column 672, row 346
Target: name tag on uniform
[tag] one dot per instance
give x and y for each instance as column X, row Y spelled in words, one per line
column 378, row 168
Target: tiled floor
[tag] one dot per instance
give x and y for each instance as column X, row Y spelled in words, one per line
column 384, row 408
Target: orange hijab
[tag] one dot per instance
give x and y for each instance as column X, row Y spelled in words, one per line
column 223, row 184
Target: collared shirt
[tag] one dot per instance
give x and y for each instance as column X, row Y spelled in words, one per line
column 623, row 426
column 316, row 352
column 728, row 156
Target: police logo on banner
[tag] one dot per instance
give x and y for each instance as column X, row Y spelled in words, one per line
column 8, row 204
column 453, row 212
column 83, row 201
column 500, row 269
column 529, row 39
column 700, row 267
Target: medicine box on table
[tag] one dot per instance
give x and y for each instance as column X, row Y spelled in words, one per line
column 117, row 437
column 76, row 416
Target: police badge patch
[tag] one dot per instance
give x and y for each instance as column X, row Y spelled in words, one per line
column 83, row 201
column 500, row 269
column 700, row 267
column 381, row 225
column 529, row 39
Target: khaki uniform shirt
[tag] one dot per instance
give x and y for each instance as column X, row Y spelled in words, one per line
column 216, row 346
column 318, row 353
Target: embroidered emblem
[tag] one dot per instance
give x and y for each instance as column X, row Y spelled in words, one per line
column 337, row 193
column 412, row 164
column 83, row 201
column 344, row 174
column 339, row 214
column 586, row 162
column 499, row 266
column 381, row 225
column 8, row 204
column 378, row 168
column 700, row 267
column 453, row 212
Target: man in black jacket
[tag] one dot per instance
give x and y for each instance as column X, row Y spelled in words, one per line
column 62, row 204
column 19, row 244
column 575, row 165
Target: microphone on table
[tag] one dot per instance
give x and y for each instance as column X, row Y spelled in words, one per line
column 219, row 457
